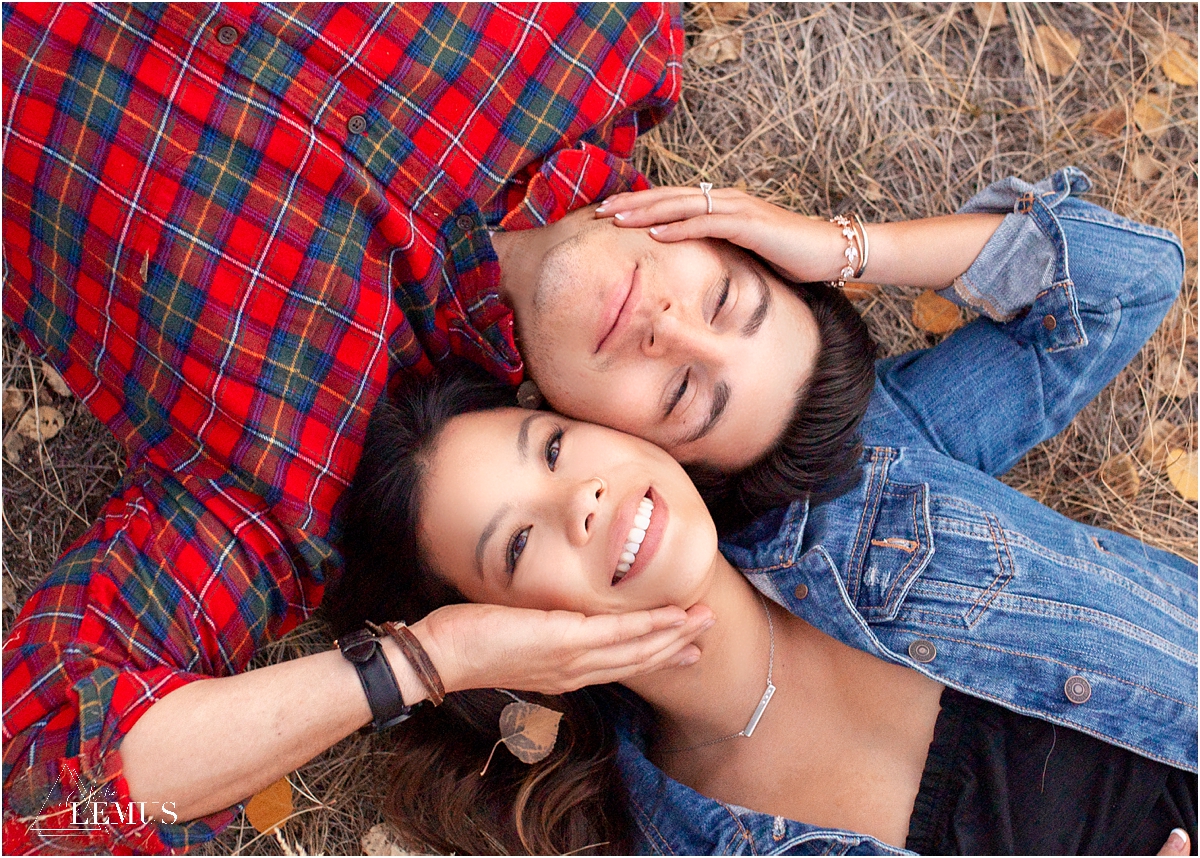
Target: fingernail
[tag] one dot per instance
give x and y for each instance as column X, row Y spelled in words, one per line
column 654, row 230
column 678, row 623
column 600, row 208
column 708, row 624
column 618, row 216
column 687, row 660
column 1178, row 838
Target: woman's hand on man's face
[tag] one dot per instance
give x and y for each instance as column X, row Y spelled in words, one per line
column 800, row 248
column 1178, row 843
column 486, row 646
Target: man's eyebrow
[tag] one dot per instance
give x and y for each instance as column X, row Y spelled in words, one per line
column 760, row 312
column 481, row 545
column 719, row 403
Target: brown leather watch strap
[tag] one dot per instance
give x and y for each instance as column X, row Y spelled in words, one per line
column 419, row 659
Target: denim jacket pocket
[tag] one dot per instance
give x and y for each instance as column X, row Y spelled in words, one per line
column 894, row 549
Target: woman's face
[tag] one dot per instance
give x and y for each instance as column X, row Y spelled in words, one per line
column 531, row 509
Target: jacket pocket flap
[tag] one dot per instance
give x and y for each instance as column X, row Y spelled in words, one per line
column 894, row 551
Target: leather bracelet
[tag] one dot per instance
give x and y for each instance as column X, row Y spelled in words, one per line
column 365, row 652
column 419, row 659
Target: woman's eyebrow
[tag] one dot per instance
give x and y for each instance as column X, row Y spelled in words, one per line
column 481, row 545
column 523, row 435
column 764, row 306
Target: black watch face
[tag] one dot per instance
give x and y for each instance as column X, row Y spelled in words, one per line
column 358, row 646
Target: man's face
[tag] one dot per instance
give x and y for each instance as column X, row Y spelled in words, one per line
column 692, row 345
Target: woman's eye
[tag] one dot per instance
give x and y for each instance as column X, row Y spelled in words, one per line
column 553, row 446
column 680, row 391
column 721, row 301
column 516, row 545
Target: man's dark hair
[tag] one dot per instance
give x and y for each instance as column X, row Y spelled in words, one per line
column 817, row 454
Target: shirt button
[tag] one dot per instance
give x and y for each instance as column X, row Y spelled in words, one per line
column 464, row 222
column 801, row 591
column 1049, row 322
column 922, row 651
column 1078, row 689
column 227, row 35
column 357, row 124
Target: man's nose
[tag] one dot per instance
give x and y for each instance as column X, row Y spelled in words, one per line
column 580, row 508
column 674, row 334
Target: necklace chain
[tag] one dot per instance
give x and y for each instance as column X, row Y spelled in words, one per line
column 748, row 730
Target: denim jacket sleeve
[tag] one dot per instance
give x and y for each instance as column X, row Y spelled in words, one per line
column 1068, row 292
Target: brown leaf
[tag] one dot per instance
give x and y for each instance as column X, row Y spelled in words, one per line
column 529, row 730
column 268, row 809
column 1054, row 50
column 1179, row 60
column 1111, row 122
column 10, row 593
column 1120, row 475
column 379, row 841
column 858, row 291
column 1173, row 380
column 720, row 13
column 14, row 444
column 990, row 15
column 1144, row 168
column 1152, row 113
column 14, row 403
column 41, row 423
column 933, row 313
column 720, row 43
column 1181, row 470
column 1159, row 438
column 1187, row 234
column 54, row 380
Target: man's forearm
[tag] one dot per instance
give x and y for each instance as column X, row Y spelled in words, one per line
column 215, row 742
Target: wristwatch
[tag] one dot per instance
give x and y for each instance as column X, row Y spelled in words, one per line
column 365, row 652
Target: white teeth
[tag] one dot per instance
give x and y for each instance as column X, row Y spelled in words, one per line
column 637, row 534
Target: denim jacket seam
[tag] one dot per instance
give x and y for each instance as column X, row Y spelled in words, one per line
column 881, row 458
column 1003, row 575
column 645, row 820
column 1125, row 225
column 918, row 556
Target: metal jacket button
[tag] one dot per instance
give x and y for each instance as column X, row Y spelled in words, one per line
column 1049, row 322
column 1078, row 689
column 227, row 35
column 357, row 124
column 464, row 222
column 922, row 651
column 801, row 591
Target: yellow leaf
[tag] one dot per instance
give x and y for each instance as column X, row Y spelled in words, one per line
column 933, row 313
column 268, row 809
column 720, row 43
column 720, row 13
column 990, row 15
column 1159, row 439
column 41, row 423
column 1111, row 122
column 14, row 403
column 1179, row 60
column 1054, row 50
column 1144, row 168
column 529, row 730
column 1173, row 380
column 1120, row 475
column 1181, row 469
column 1152, row 113
column 858, row 291
column 54, row 380
column 379, row 841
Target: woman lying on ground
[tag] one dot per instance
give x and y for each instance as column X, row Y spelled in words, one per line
column 929, row 603
column 1056, row 684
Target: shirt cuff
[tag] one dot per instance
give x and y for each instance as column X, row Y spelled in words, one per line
column 1022, row 258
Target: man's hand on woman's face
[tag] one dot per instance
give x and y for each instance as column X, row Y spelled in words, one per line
column 551, row 652
column 798, row 247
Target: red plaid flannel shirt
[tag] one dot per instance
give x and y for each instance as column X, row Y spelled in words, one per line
column 226, row 225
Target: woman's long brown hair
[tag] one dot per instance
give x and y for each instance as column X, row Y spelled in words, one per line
column 573, row 801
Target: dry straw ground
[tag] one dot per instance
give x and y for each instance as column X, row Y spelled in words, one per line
column 899, row 111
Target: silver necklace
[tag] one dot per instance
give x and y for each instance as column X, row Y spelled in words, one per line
column 748, row 730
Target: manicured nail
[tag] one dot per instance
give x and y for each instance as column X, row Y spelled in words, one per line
column 708, row 624
column 600, row 208
column 1178, row 838
column 618, row 216
column 654, row 230
column 687, row 660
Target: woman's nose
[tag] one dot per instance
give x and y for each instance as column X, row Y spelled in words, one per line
column 581, row 508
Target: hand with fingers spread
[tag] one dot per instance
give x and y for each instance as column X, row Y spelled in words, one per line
column 486, row 646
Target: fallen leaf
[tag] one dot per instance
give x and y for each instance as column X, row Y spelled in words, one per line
column 1054, row 50
column 1181, row 470
column 870, row 189
column 528, row 730
column 14, row 403
column 1152, row 113
column 10, row 593
column 857, row 291
column 721, row 43
column 1120, row 475
column 54, row 380
column 1159, row 438
column 720, row 13
column 14, row 444
column 990, row 15
column 1173, row 380
column 1111, row 122
column 1187, row 234
column 379, row 841
column 1144, row 168
column 268, row 809
column 1179, row 60
column 40, row 424
column 933, row 313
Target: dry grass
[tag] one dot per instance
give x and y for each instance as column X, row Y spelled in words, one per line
column 898, row 111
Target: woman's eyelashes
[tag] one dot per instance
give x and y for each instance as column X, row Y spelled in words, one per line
column 722, row 298
column 519, row 539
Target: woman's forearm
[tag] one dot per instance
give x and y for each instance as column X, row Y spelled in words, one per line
column 215, row 742
column 928, row 253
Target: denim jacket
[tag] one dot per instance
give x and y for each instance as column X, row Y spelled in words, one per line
column 932, row 563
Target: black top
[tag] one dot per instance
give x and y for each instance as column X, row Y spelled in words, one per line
column 1000, row 783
